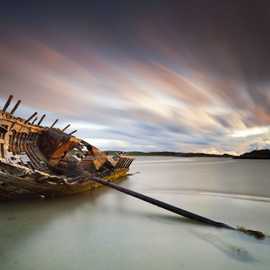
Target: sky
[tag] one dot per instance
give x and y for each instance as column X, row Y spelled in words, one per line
column 187, row 76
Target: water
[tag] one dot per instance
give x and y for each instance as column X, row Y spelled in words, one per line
column 109, row 230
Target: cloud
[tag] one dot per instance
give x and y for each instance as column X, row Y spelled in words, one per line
column 168, row 86
column 255, row 131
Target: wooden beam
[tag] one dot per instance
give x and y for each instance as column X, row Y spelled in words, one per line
column 7, row 103
column 177, row 210
column 66, row 127
column 15, row 107
column 12, row 125
column 74, row 131
column 54, row 123
column 31, row 117
column 34, row 121
column 41, row 119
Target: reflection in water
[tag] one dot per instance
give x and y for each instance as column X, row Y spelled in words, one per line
column 230, row 250
column 26, row 218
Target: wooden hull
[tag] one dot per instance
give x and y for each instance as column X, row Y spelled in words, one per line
column 41, row 186
column 42, row 162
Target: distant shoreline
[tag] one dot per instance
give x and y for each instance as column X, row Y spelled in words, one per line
column 170, row 154
column 256, row 154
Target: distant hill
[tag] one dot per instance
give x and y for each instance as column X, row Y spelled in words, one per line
column 170, row 154
column 256, row 154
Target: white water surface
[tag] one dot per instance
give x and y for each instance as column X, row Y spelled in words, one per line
column 109, row 230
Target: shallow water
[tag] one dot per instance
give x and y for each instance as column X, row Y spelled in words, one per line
column 109, row 230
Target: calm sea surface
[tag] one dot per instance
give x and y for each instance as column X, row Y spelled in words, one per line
column 109, row 230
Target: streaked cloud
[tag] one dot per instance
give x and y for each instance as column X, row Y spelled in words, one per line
column 144, row 82
column 255, row 131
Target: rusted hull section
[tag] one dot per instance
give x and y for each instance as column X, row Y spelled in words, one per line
column 38, row 161
column 26, row 185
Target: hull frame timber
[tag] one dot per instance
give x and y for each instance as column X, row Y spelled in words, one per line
column 38, row 161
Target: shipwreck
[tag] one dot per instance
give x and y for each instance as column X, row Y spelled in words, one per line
column 40, row 162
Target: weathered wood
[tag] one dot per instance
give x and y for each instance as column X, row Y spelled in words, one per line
column 15, row 107
column 179, row 211
column 38, row 161
column 7, row 103
column 41, row 119
column 18, row 183
column 74, row 131
column 66, row 127
column 54, row 123
column 34, row 121
column 31, row 117
column 164, row 205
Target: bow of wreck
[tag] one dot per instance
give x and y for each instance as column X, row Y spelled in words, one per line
column 38, row 161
